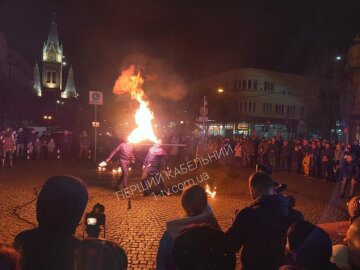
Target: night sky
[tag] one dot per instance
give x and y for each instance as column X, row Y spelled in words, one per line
column 196, row 38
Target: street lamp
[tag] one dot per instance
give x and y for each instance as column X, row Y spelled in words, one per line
column 220, row 90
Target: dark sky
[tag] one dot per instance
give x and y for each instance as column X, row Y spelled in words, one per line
column 197, row 38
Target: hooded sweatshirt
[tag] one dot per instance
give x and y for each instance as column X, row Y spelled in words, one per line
column 155, row 160
column 259, row 230
column 164, row 260
column 60, row 206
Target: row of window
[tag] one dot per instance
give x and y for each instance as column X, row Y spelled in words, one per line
column 246, row 84
column 252, row 85
column 269, row 86
column 280, row 109
column 267, row 108
column 247, row 106
column 51, row 76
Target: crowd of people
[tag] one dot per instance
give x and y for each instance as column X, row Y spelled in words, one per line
column 270, row 233
column 26, row 143
column 319, row 159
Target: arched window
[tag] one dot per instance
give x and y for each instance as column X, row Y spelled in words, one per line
column 48, row 76
column 53, row 77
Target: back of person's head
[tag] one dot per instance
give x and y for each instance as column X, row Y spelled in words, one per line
column 100, row 254
column 260, row 184
column 61, row 203
column 10, row 259
column 201, row 247
column 265, row 169
column 194, row 200
column 353, row 242
column 353, row 207
column 310, row 244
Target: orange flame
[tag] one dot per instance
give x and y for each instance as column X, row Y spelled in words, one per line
column 209, row 192
column 129, row 82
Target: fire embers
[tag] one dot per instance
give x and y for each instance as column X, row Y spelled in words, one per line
column 212, row 193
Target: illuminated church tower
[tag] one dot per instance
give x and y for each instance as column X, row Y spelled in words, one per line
column 52, row 63
column 52, row 69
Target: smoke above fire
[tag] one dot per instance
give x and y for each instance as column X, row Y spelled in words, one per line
column 160, row 80
column 130, row 82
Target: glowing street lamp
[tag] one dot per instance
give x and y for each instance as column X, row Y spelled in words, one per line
column 220, row 90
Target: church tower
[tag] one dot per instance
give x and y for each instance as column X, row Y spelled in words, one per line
column 52, row 63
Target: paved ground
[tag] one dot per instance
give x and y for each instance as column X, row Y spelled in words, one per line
column 139, row 228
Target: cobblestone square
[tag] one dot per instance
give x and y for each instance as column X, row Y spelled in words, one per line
column 138, row 225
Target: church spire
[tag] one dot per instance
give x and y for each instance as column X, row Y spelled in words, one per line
column 53, row 37
column 37, row 83
column 70, row 90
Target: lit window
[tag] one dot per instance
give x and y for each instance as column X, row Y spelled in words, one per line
column 48, row 76
column 53, row 77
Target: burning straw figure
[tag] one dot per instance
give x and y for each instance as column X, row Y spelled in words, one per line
column 126, row 157
column 153, row 164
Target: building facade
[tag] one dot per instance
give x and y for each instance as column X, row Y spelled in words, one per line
column 15, row 85
column 353, row 69
column 257, row 101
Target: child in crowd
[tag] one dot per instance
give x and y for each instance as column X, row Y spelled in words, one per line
column 306, row 164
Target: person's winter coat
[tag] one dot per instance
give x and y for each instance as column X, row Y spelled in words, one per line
column 60, row 206
column 164, row 260
column 259, row 230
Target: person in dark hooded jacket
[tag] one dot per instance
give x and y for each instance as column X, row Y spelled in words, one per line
column 308, row 247
column 259, row 229
column 126, row 157
column 153, row 164
column 59, row 208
